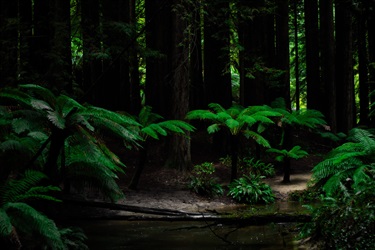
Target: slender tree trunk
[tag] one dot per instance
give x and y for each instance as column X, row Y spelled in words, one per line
column 140, row 167
column 58, row 137
column 217, row 76
column 286, row 178
column 328, row 62
column 179, row 146
column 8, row 43
column 314, row 89
column 296, row 48
column 371, row 53
column 282, row 51
column 344, row 66
column 234, row 143
column 362, row 70
column 91, row 39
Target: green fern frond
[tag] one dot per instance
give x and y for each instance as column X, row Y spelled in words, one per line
column 213, row 128
column 146, row 117
column 73, row 238
column 40, row 105
column 5, row 224
column 56, row 119
column 216, row 107
column 201, row 115
column 101, row 114
column 41, row 93
column 65, row 104
column 38, row 193
column 16, row 96
column 28, row 220
column 258, row 138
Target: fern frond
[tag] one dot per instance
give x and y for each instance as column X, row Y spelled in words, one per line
column 40, row 105
column 17, row 96
column 146, row 117
column 213, row 128
column 56, row 119
column 38, row 193
column 201, row 115
column 28, row 220
column 258, row 138
column 216, row 107
column 41, row 92
column 73, row 238
column 5, row 224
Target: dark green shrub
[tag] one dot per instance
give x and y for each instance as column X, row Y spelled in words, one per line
column 202, row 180
column 257, row 167
column 250, row 189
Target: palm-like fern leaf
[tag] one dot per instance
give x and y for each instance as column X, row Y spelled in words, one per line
column 5, row 224
column 41, row 93
column 258, row 138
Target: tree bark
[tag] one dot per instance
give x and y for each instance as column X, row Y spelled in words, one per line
column 314, row 89
column 344, row 67
column 328, row 62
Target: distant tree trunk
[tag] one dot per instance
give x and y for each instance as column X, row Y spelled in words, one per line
column 60, row 68
column 371, row 53
column 198, row 98
column 25, row 37
column 252, row 33
column 91, row 39
column 344, row 67
column 8, row 43
column 328, row 62
column 40, row 42
column 179, row 146
column 314, row 89
column 217, row 76
column 282, row 51
column 158, row 31
column 114, row 91
column 135, row 91
column 296, row 66
column 362, row 69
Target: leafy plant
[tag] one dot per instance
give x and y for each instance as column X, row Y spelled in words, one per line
column 70, row 125
column 238, row 121
column 153, row 126
column 250, row 189
column 202, row 180
column 250, row 165
column 19, row 221
column 284, row 156
column 352, row 160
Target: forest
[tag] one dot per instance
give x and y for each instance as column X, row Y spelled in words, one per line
column 87, row 86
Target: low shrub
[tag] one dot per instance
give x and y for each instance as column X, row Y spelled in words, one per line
column 250, row 189
column 203, row 182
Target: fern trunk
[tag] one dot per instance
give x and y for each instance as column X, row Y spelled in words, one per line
column 140, row 167
column 286, row 166
column 57, row 143
column 234, row 141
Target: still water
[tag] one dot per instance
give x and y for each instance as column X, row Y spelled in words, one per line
column 117, row 234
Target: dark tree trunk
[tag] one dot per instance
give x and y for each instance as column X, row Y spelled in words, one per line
column 8, row 43
column 328, row 62
column 60, row 68
column 286, row 178
column 179, row 146
column 158, row 32
column 234, row 145
column 114, row 91
column 217, row 76
column 282, row 51
column 91, row 39
column 296, row 49
column 362, row 69
column 198, row 98
column 314, row 89
column 344, row 67
column 371, row 53
column 58, row 137
column 140, row 167
column 135, row 90
column 252, row 38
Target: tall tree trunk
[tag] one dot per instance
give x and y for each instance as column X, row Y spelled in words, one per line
column 8, row 43
column 217, row 76
column 282, row 51
column 60, row 69
column 314, row 89
column 234, row 144
column 158, row 68
column 135, row 90
column 114, row 91
column 362, row 69
column 296, row 49
column 328, row 62
column 371, row 53
column 344, row 67
column 198, row 98
column 179, row 146
column 91, row 39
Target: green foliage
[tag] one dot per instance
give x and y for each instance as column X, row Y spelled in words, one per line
column 153, row 127
column 250, row 165
column 346, row 221
column 44, row 119
column 351, row 160
column 281, row 154
column 202, row 180
column 17, row 215
column 250, row 189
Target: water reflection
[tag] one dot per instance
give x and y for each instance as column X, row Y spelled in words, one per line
column 112, row 234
